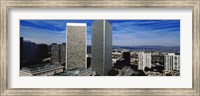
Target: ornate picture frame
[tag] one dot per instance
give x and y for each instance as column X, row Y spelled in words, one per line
column 4, row 46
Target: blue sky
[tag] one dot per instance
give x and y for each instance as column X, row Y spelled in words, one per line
column 125, row 32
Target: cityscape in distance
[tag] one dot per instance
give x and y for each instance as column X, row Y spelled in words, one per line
column 100, row 48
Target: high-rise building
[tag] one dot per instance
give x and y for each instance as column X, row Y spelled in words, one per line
column 101, row 47
column 32, row 51
column 176, row 64
column 144, row 60
column 55, row 53
column 28, row 51
column 171, row 62
column 21, row 51
column 76, row 46
column 42, row 51
column 62, row 53
column 127, row 58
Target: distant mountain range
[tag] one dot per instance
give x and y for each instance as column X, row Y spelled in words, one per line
column 142, row 47
column 145, row 47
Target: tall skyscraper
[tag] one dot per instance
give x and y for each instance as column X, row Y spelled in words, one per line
column 144, row 60
column 171, row 62
column 21, row 51
column 29, row 51
column 62, row 53
column 101, row 47
column 42, row 51
column 127, row 57
column 55, row 53
column 76, row 45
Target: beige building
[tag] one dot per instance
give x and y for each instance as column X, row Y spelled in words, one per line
column 76, row 46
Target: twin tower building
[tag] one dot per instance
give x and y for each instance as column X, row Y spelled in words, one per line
column 76, row 47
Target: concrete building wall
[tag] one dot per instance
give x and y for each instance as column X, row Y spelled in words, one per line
column 97, row 47
column 28, row 51
column 168, row 62
column 171, row 62
column 62, row 53
column 108, row 47
column 148, row 60
column 140, row 61
column 21, row 52
column 144, row 60
column 127, row 57
column 55, row 53
column 101, row 47
column 76, row 46
column 176, row 63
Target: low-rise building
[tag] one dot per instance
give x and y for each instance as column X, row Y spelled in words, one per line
column 41, row 70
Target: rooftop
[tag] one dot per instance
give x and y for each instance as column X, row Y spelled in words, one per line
column 41, row 68
column 76, row 24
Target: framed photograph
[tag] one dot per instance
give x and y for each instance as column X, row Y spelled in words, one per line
column 121, row 47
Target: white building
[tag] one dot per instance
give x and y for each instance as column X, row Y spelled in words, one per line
column 114, row 60
column 171, row 62
column 144, row 60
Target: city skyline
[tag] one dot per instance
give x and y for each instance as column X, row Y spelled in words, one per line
column 75, row 58
column 125, row 32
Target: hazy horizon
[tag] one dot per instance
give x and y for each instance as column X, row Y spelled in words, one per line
column 112, row 45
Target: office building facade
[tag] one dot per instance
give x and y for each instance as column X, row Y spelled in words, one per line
column 28, row 51
column 171, row 62
column 55, row 53
column 101, row 47
column 42, row 51
column 62, row 53
column 76, row 46
column 144, row 60
column 21, row 52
column 127, row 58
